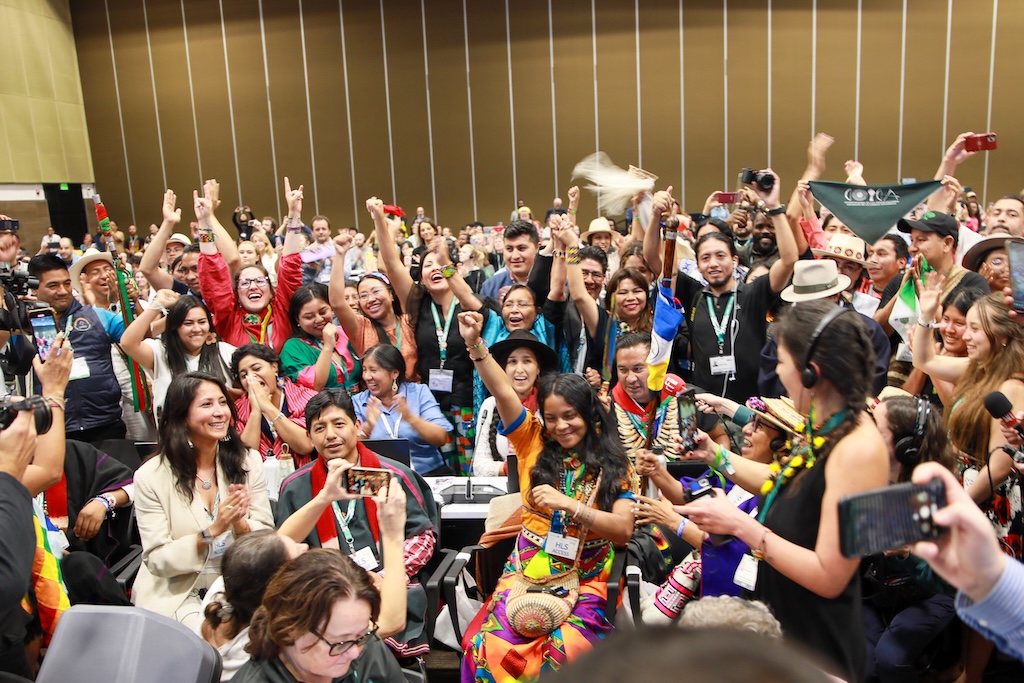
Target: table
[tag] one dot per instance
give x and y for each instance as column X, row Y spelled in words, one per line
column 462, row 524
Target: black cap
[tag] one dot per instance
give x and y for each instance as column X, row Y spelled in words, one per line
column 943, row 224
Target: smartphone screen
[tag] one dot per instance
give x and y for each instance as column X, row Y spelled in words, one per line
column 688, row 421
column 367, row 481
column 44, row 330
column 1015, row 250
column 889, row 518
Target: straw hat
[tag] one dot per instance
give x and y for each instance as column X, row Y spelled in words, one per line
column 597, row 226
column 846, row 247
column 783, row 413
column 90, row 256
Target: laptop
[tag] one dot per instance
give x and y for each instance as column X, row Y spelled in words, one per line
column 396, row 449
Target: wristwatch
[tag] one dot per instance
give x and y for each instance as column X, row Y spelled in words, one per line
column 448, row 271
column 208, row 538
column 781, row 208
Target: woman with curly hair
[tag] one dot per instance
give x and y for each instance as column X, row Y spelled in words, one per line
column 578, row 492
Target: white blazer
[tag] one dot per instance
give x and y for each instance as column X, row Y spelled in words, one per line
column 169, row 525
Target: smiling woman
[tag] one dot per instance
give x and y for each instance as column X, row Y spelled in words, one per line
column 319, row 355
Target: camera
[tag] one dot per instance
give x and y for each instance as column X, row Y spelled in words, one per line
column 17, row 282
column 9, row 226
column 9, row 410
column 763, row 179
column 698, row 488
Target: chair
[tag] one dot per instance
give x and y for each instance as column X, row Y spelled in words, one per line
column 101, row 644
column 122, row 450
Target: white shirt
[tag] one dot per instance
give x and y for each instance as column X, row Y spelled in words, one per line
column 161, row 375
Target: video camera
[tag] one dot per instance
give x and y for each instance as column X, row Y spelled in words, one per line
column 9, row 410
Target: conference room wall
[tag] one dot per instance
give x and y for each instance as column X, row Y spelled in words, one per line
column 463, row 107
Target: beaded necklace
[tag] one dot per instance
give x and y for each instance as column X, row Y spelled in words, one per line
column 802, row 455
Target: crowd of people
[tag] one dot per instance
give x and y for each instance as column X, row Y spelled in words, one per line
column 292, row 347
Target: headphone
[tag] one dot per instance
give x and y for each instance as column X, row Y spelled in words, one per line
column 810, row 375
column 777, row 444
column 908, row 447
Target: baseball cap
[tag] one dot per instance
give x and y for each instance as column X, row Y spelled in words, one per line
column 932, row 221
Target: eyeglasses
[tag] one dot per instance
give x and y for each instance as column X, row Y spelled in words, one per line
column 246, row 283
column 518, row 304
column 337, row 649
column 373, row 293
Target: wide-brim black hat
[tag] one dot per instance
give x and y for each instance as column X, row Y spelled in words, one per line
column 518, row 339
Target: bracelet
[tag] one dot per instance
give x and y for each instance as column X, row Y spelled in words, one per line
column 206, row 236
column 107, row 504
column 481, row 358
column 478, row 345
column 572, row 256
column 557, row 253
column 930, row 326
column 572, row 211
column 780, row 209
column 761, row 550
column 722, row 458
column 54, row 401
column 279, row 416
column 682, row 525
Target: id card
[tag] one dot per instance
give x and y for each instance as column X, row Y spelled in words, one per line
column 441, row 380
column 723, row 365
column 904, row 354
column 746, row 573
column 365, row 558
column 561, row 546
column 79, row 368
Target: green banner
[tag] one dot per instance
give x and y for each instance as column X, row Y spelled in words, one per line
column 871, row 210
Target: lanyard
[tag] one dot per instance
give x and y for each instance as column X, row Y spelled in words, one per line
column 265, row 327
column 723, row 324
column 442, row 334
column 340, row 367
column 398, row 333
column 392, row 432
column 343, row 523
column 640, row 425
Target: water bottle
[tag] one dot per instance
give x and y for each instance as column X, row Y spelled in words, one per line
column 681, row 587
column 272, row 469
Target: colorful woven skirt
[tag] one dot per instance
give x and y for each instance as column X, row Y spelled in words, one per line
column 497, row 653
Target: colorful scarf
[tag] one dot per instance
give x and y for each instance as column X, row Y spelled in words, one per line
column 326, row 528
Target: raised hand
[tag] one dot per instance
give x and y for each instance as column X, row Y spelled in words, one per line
column 816, row 151
column 293, row 198
column 854, row 170
column 770, row 198
column 957, row 152
column 930, row 293
column 375, row 207
column 662, row 202
column 171, row 214
column 342, row 243
column 56, row 371
column 211, row 190
column 391, row 510
column 471, row 326
column 203, row 207
column 167, row 298
column 334, row 487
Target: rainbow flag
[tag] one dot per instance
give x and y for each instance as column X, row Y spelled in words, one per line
column 47, row 581
column 668, row 316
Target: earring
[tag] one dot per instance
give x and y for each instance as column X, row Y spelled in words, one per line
column 280, row 382
column 394, row 386
column 190, row 444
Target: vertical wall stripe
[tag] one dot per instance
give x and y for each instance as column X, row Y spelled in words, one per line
column 191, row 93
column 991, row 76
column 814, row 67
column 348, row 115
column 270, row 112
column 156, row 104
column 725, row 92
column 945, row 90
column 903, row 89
column 387, row 99
column 593, row 50
column 469, row 105
column 430, row 120
column 554, row 122
column 639, row 99
column 511, row 107
column 120, row 113
column 681, row 191
column 231, row 103
column 309, row 112
column 856, row 95
column 768, row 80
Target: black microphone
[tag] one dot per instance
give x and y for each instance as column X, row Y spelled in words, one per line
column 999, row 407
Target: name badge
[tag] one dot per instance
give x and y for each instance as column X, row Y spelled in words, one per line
column 723, row 365
column 441, row 380
column 904, row 354
column 365, row 558
column 746, row 573
column 565, row 547
column 79, row 368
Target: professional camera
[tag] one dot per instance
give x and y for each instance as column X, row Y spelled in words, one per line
column 9, row 410
column 9, row 226
column 763, row 179
column 17, row 282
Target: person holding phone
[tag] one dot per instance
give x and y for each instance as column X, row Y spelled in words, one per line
column 315, row 508
column 795, row 566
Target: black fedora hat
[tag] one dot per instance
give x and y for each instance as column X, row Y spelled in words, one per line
column 518, row 339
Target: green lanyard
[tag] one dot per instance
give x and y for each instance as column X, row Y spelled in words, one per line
column 398, row 334
column 721, row 325
column 343, row 524
column 442, row 334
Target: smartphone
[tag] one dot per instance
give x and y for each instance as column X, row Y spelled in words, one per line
column 367, row 481
column 44, row 330
column 727, row 197
column 688, row 420
column 1015, row 250
column 982, row 141
column 888, row 518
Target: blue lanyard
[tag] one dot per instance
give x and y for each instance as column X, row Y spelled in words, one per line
column 442, row 334
column 343, row 523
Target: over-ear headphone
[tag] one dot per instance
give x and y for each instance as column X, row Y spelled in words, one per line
column 908, row 447
column 809, row 375
column 777, row 444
